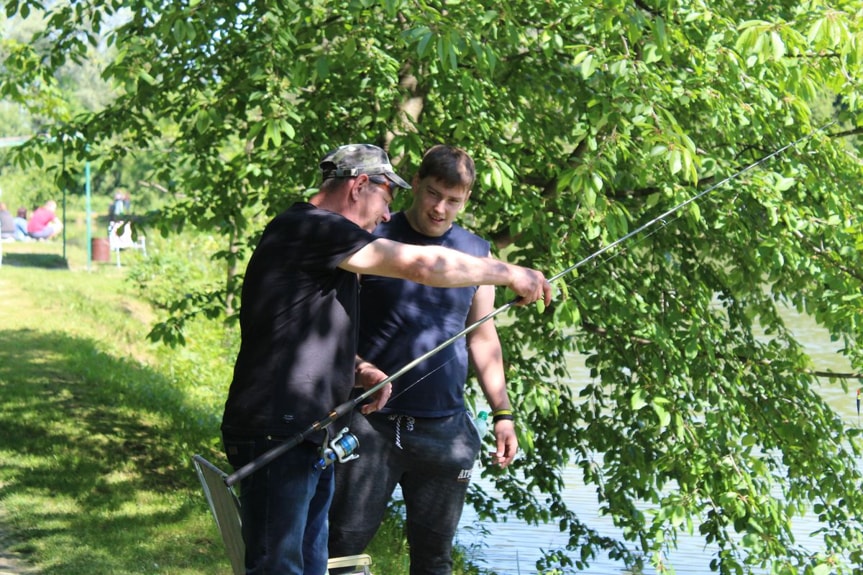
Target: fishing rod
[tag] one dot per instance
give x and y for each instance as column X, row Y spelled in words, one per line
column 346, row 407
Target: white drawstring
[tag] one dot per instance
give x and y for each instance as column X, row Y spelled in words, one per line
column 409, row 425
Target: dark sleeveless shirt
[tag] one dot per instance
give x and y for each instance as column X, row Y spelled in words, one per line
column 401, row 320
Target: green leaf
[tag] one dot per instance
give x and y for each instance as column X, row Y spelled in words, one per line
column 778, row 45
column 674, row 161
column 274, row 135
column 424, row 43
column 322, row 67
column 662, row 413
column 694, row 211
column 589, row 197
column 637, row 401
column 580, row 57
column 596, row 181
column 784, row 184
column 287, row 129
column 202, row 122
column 691, row 349
column 587, row 67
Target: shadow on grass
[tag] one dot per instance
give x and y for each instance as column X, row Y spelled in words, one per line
column 48, row 261
column 97, row 460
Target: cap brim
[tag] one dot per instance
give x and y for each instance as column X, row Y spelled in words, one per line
column 397, row 180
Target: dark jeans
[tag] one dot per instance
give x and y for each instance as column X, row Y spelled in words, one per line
column 283, row 506
column 433, row 467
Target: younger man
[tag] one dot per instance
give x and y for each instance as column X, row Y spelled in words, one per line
column 424, row 439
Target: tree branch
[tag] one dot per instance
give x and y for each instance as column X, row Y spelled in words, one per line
column 858, row 131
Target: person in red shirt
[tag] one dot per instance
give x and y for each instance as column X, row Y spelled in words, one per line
column 44, row 223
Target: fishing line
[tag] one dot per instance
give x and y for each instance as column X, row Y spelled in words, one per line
column 683, row 204
column 608, row 258
column 424, row 376
column 346, row 407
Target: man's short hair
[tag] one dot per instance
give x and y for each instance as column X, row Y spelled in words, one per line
column 449, row 164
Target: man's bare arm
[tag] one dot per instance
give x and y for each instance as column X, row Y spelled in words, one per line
column 442, row 267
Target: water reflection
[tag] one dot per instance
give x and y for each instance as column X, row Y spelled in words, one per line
column 513, row 547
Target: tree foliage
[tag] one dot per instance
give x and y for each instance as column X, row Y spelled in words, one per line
column 586, row 119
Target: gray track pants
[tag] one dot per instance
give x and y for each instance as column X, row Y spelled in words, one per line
column 433, row 467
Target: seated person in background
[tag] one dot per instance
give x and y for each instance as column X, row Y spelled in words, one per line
column 44, row 223
column 21, row 225
column 7, row 224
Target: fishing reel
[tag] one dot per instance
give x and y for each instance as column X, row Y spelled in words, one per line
column 341, row 448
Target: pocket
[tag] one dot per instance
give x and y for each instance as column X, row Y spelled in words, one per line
column 471, row 430
column 239, row 451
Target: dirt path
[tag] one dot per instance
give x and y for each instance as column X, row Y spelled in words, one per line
column 11, row 564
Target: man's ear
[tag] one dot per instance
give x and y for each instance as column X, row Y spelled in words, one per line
column 357, row 185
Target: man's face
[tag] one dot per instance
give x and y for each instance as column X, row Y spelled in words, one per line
column 378, row 193
column 435, row 206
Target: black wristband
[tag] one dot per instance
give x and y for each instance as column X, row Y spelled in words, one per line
column 502, row 417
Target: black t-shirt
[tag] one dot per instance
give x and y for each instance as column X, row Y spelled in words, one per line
column 298, row 324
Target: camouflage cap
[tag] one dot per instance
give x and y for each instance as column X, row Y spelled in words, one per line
column 354, row 159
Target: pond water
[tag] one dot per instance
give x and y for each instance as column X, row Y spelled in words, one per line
column 513, row 547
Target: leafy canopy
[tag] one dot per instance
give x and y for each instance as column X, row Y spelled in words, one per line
column 586, row 119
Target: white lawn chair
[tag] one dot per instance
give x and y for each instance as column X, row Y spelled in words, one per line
column 225, row 506
column 120, row 238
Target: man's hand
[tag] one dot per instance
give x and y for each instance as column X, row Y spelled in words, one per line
column 367, row 376
column 507, row 443
column 530, row 285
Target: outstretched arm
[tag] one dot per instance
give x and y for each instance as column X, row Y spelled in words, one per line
column 442, row 267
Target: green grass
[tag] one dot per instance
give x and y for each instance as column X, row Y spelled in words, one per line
column 95, row 475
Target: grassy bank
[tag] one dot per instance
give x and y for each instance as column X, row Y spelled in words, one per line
column 95, row 474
